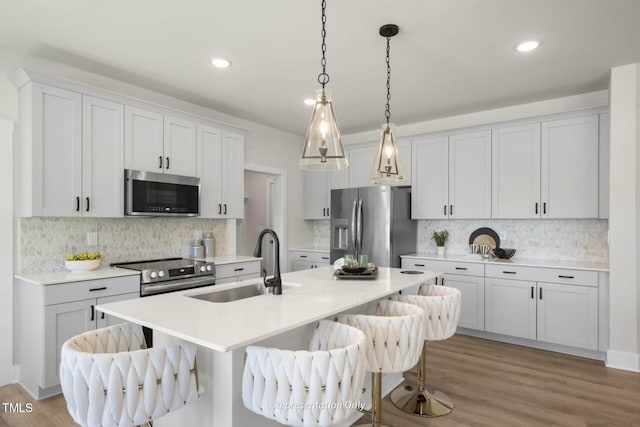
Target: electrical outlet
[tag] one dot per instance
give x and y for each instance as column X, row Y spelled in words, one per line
column 92, row 239
column 503, row 235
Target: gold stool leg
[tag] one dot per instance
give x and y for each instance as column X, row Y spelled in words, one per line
column 376, row 401
column 418, row 400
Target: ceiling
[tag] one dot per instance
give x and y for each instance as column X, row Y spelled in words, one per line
column 450, row 57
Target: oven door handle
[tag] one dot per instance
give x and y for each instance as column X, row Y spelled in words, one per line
column 177, row 285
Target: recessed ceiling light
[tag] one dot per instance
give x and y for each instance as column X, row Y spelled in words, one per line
column 528, row 45
column 309, row 101
column 220, row 62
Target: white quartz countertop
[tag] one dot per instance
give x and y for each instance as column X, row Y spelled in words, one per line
column 308, row 296
column 65, row 276
column 228, row 259
column 549, row 263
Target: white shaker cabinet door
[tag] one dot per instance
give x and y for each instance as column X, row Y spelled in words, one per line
column 430, row 178
column 510, row 307
column 315, row 195
column 180, row 156
column 103, row 160
column 232, row 175
column 209, row 171
column 568, row 315
column 472, row 295
column 470, row 175
column 570, row 168
column 515, row 170
column 63, row 321
column 360, row 165
column 56, row 152
column 603, row 187
column 143, row 140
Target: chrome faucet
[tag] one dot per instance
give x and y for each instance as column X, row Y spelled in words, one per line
column 275, row 282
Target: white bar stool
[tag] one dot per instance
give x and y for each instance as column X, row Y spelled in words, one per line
column 110, row 378
column 441, row 305
column 319, row 387
column 395, row 337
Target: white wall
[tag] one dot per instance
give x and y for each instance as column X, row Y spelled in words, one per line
column 6, row 250
column 624, row 218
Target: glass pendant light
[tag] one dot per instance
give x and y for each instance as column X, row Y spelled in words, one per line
column 323, row 148
column 387, row 167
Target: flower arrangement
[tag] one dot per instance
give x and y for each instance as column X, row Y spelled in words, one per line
column 440, row 236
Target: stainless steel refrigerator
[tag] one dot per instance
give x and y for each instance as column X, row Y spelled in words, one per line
column 375, row 221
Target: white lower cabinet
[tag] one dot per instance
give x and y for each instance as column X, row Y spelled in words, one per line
column 49, row 315
column 546, row 305
column 305, row 260
column 237, row 272
column 563, row 313
column 467, row 277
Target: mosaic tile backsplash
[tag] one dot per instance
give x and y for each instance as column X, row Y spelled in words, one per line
column 46, row 242
column 561, row 239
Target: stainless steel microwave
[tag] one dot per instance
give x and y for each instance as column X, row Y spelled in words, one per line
column 160, row 194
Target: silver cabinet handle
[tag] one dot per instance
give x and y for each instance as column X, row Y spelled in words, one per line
column 360, row 228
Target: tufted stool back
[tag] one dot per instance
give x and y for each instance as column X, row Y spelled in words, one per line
column 442, row 310
column 319, row 387
column 110, row 378
column 394, row 336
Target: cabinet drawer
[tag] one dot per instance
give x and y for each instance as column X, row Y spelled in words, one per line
column 538, row 274
column 76, row 291
column 569, row 277
column 507, row 271
column 449, row 267
column 237, row 269
column 317, row 257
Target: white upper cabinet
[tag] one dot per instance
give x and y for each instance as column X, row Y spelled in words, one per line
column 452, row 176
column 317, row 195
column 221, row 171
column 570, row 168
column 603, row 191
column 515, row 172
column 470, row 175
column 361, row 160
column 430, row 178
column 143, row 140
column 72, row 162
column 179, row 146
column 232, row 175
column 56, row 150
column 159, row 143
column 103, row 162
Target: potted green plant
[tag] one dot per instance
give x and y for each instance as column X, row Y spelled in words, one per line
column 440, row 236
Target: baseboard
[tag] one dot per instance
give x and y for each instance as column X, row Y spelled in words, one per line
column 8, row 375
column 623, row 360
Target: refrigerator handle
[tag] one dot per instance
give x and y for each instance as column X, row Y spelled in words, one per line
column 354, row 237
column 359, row 250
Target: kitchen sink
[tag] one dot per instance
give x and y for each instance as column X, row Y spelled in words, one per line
column 232, row 294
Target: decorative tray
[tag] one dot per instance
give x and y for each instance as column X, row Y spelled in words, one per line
column 371, row 273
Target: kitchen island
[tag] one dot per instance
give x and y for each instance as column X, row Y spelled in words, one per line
column 223, row 330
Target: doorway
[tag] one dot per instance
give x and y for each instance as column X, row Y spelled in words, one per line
column 264, row 207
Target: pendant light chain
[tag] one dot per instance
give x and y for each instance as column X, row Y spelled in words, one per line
column 323, row 78
column 387, row 112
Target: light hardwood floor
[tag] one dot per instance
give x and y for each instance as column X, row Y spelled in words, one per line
column 492, row 384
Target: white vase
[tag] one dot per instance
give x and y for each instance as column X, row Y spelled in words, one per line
column 441, row 250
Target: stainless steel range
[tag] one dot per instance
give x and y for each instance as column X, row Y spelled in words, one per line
column 160, row 276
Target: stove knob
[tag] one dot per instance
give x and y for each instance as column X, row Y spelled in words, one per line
column 202, row 268
column 153, row 275
column 209, row 268
column 160, row 273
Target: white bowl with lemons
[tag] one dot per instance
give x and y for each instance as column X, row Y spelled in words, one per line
column 83, row 261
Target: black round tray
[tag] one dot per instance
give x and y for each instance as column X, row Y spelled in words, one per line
column 485, row 230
